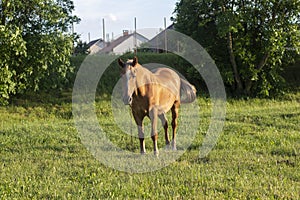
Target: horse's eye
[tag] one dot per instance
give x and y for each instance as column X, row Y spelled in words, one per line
column 134, row 73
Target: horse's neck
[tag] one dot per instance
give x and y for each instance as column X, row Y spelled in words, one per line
column 145, row 77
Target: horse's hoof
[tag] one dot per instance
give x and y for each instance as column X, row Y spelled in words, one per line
column 156, row 153
column 168, row 147
column 174, row 145
column 143, row 153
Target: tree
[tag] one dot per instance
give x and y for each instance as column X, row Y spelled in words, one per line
column 81, row 48
column 35, row 44
column 250, row 40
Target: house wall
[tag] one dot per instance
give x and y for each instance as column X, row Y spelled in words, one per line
column 96, row 47
column 128, row 45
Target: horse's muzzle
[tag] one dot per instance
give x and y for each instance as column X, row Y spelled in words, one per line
column 127, row 100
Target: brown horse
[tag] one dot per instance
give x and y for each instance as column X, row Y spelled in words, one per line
column 153, row 94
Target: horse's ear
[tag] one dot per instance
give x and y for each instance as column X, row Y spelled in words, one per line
column 135, row 61
column 121, row 62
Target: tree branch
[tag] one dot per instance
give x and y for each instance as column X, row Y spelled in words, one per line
column 263, row 62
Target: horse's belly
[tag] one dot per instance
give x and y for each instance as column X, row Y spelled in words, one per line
column 167, row 100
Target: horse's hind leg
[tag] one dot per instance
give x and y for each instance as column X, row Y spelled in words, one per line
column 153, row 117
column 174, row 109
column 164, row 122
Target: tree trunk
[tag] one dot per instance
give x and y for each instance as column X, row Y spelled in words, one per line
column 237, row 77
column 248, row 86
column 2, row 15
column 263, row 62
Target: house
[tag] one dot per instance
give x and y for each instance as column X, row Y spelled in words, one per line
column 95, row 46
column 158, row 43
column 125, row 43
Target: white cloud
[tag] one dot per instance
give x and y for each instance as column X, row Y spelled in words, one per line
column 111, row 17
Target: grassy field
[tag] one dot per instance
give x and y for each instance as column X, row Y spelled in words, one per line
column 257, row 155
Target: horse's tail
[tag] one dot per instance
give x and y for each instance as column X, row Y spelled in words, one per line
column 187, row 92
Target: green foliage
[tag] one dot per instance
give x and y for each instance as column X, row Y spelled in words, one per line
column 12, row 46
column 112, row 73
column 81, row 48
column 251, row 42
column 292, row 75
column 35, row 46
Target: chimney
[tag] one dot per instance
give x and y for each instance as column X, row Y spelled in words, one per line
column 125, row 32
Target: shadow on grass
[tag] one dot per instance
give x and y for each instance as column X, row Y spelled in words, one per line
column 42, row 98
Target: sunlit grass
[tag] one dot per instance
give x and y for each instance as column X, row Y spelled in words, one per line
column 257, row 156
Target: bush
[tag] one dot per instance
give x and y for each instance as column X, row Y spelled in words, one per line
column 112, row 73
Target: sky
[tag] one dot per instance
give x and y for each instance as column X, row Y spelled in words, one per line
column 119, row 15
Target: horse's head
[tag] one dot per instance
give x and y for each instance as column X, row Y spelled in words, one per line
column 128, row 72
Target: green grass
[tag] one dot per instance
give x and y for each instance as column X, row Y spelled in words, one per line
column 256, row 157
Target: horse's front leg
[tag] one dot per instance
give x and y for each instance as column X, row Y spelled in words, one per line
column 139, row 122
column 142, row 139
column 154, row 135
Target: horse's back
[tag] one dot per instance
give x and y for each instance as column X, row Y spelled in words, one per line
column 169, row 84
column 168, row 88
column 168, row 79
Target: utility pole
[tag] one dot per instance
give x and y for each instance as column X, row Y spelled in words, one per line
column 166, row 39
column 135, row 39
column 103, row 28
column 73, row 29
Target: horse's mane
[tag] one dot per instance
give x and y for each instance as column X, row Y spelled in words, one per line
column 145, row 77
